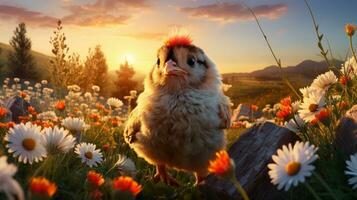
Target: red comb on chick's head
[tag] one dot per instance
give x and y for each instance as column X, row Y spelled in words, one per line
column 178, row 40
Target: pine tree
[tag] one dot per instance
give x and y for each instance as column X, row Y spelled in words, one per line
column 124, row 82
column 20, row 61
column 96, row 70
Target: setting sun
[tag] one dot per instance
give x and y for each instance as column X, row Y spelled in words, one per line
column 128, row 57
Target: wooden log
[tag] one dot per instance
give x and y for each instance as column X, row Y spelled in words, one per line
column 251, row 154
column 346, row 134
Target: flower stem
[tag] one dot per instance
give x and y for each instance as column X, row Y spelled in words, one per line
column 321, row 180
column 351, row 46
column 239, row 188
column 312, row 191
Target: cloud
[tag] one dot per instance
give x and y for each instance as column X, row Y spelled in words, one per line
column 234, row 11
column 24, row 15
column 99, row 13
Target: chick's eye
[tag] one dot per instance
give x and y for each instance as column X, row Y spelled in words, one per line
column 191, row 61
column 158, row 62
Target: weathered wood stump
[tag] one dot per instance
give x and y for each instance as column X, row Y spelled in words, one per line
column 251, row 153
column 18, row 107
column 346, row 134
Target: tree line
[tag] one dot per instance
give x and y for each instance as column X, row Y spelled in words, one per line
column 66, row 68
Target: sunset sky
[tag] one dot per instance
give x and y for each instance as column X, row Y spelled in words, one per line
column 134, row 29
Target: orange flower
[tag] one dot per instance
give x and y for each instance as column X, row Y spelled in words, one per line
column 342, row 104
column 314, row 122
column 350, row 29
column 31, row 110
column 47, row 124
column 96, row 194
column 95, row 178
column 23, row 95
column 95, row 117
column 3, row 125
column 284, row 112
column 99, row 106
column 24, row 119
column 286, row 101
column 42, row 186
column 323, row 115
column 254, row 107
column 10, row 124
column 344, row 80
column 106, row 147
column 127, row 184
column 60, row 105
column 3, row 112
column 222, row 165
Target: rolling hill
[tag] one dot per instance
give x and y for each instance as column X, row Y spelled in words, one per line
column 42, row 61
column 265, row 86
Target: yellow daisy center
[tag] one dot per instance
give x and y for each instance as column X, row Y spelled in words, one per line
column 292, row 168
column 29, row 144
column 88, row 155
column 313, row 107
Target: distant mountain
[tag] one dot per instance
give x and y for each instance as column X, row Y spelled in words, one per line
column 42, row 61
column 306, row 70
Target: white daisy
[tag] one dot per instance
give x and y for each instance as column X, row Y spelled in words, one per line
column 48, row 115
column 324, row 81
column 114, row 102
column 307, row 91
column 292, row 165
column 295, row 106
column 295, row 124
column 57, row 139
column 74, row 124
column 8, row 185
column 89, row 155
column 95, row 88
column 352, row 170
column 349, row 68
column 311, row 106
column 126, row 166
column 24, row 140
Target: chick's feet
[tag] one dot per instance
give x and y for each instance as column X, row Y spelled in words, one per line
column 162, row 175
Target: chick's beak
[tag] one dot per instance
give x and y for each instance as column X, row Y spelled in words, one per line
column 171, row 68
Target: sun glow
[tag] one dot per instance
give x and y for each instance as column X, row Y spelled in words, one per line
column 129, row 57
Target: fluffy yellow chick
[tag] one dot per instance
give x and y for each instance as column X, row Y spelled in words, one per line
column 179, row 119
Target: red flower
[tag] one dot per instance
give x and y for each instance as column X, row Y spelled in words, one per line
column 3, row 112
column 284, row 112
column 43, row 187
column 350, row 29
column 95, row 178
column 106, row 147
column 10, row 125
column 323, row 115
column 60, row 105
column 314, row 122
column 286, row 102
column 342, row 104
column 222, row 165
column 96, row 194
column 127, row 184
column 254, row 107
column 95, row 117
column 344, row 80
column 23, row 95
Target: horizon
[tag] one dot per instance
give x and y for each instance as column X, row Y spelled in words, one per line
column 239, row 48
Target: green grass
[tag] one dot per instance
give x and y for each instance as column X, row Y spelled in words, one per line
column 260, row 92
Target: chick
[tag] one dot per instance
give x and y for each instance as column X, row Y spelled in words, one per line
column 180, row 116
